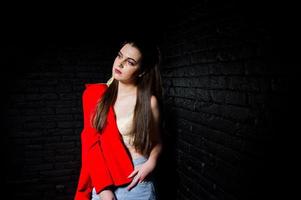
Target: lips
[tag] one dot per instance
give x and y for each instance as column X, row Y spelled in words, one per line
column 117, row 71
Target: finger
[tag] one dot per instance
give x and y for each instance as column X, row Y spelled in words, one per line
column 141, row 179
column 133, row 173
column 133, row 183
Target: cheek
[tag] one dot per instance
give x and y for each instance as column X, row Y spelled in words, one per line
column 131, row 73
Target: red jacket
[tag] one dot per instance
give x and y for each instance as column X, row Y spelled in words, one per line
column 105, row 160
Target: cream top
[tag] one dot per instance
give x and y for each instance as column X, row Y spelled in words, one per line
column 124, row 126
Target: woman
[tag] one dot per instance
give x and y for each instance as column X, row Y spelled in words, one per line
column 121, row 139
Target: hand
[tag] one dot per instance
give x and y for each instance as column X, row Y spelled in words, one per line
column 106, row 195
column 141, row 172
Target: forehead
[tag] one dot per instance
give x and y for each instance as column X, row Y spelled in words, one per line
column 129, row 51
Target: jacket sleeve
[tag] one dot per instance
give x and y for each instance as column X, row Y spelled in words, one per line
column 93, row 169
column 84, row 183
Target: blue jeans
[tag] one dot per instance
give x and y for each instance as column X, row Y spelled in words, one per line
column 142, row 191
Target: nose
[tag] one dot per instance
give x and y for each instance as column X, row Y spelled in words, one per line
column 122, row 63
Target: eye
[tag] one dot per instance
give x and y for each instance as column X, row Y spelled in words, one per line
column 131, row 63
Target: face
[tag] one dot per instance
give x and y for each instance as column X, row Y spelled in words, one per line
column 126, row 63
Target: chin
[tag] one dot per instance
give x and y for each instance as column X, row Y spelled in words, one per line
column 115, row 76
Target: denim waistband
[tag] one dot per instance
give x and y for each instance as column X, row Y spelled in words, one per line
column 139, row 160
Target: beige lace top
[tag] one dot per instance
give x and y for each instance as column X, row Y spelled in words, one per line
column 124, row 126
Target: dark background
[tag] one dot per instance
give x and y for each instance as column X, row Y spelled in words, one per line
column 230, row 83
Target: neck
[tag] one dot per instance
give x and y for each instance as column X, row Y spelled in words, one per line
column 126, row 89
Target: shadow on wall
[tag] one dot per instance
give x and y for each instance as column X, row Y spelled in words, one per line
column 166, row 172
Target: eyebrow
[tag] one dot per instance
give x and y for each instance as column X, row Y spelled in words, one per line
column 128, row 57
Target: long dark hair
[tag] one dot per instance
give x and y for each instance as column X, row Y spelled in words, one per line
column 147, row 85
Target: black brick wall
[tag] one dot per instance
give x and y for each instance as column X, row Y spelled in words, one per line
column 227, row 93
